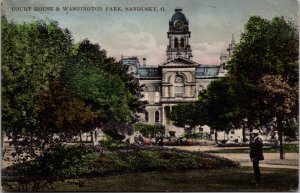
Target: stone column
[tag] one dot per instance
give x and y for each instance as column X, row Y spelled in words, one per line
column 193, row 91
column 171, row 89
column 166, row 93
column 163, row 115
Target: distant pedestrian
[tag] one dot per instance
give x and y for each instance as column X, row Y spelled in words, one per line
column 161, row 141
column 256, row 153
column 276, row 138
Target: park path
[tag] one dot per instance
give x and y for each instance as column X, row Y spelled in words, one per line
column 272, row 160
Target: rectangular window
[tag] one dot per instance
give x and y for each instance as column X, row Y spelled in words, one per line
column 151, row 97
column 179, row 91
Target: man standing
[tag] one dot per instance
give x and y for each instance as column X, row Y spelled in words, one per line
column 256, row 153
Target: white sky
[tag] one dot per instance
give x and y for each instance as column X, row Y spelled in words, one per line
column 144, row 34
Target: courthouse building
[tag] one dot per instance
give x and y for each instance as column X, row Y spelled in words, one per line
column 176, row 80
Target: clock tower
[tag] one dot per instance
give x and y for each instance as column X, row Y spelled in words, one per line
column 178, row 36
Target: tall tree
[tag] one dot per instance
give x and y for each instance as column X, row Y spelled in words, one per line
column 219, row 105
column 32, row 56
column 281, row 102
column 266, row 48
column 85, row 52
column 106, row 93
column 93, row 57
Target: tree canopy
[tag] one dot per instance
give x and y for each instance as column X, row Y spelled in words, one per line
column 53, row 89
column 261, row 84
column 32, row 56
column 266, row 48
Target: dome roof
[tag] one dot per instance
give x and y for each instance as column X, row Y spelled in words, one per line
column 178, row 15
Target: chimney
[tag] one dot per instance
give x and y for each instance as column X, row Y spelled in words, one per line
column 144, row 61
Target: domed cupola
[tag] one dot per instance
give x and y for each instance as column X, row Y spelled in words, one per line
column 178, row 21
column 178, row 36
column 178, row 15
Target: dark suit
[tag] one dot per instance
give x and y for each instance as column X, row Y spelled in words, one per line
column 256, row 154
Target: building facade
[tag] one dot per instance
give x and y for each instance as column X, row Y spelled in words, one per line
column 179, row 79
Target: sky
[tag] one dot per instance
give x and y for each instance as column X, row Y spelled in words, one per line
column 144, row 33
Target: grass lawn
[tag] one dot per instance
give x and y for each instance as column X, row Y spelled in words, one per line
column 229, row 179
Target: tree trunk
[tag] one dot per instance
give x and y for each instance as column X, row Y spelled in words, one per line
column 244, row 134
column 2, row 139
column 280, row 132
column 80, row 138
column 92, row 137
column 216, row 136
column 95, row 137
column 2, row 142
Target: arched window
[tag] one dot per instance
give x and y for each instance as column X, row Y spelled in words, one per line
column 157, row 116
column 182, row 42
column 176, row 43
column 146, row 116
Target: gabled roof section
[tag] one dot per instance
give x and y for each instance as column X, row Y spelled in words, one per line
column 179, row 62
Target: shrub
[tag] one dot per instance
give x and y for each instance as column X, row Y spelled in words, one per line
column 76, row 162
column 154, row 130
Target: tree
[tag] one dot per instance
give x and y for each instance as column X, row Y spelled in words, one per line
column 88, row 53
column 32, row 56
column 215, row 107
column 63, row 114
column 219, row 105
column 92, row 56
column 105, row 93
column 189, row 114
column 280, row 100
column 266, row 48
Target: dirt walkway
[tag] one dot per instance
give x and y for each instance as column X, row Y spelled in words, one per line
column 272, row 160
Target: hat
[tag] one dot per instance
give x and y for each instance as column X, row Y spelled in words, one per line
column 255, row 131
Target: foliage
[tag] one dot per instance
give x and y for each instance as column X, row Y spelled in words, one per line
column 91, row 54
column 32, row 56
column 261, row 86
column 62, row 113
column 219, row 104
column 77, row 162
column 278, row 96
column 106, row 86
column 215, row 108
column 291, row 130
column 106, row 93
column 196, row 136
column 154, row 130
column 54, row 165
column 266, row 48
column 291, row 148
column 187, row 114
column 52, row 90
column 267, row 55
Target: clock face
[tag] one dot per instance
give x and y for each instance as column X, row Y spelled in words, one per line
column 178, row 24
